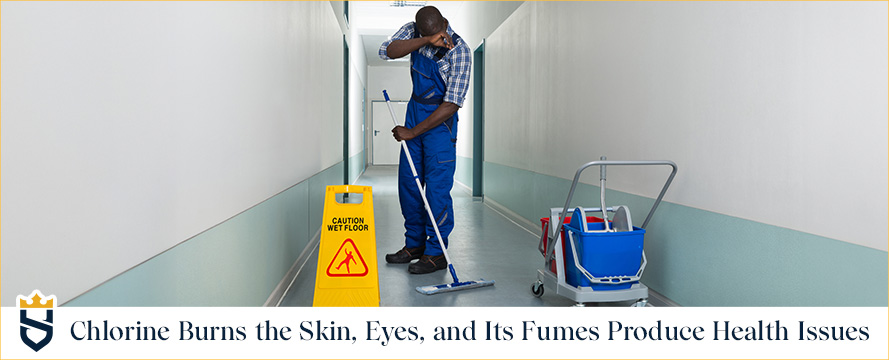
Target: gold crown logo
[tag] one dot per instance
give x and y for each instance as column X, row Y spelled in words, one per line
column 36, row 301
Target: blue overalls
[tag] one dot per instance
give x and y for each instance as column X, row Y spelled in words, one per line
column 434, row 154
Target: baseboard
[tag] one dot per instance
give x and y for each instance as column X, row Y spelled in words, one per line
column 513, row 216
column 465, row 187
column 656, row 299
column 280, row 291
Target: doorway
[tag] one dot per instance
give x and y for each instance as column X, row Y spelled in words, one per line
column 478, row 121
column 385, row 149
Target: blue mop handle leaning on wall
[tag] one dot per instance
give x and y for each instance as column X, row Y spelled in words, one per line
column 422, row 192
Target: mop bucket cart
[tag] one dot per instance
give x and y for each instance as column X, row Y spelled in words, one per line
column 590, row 259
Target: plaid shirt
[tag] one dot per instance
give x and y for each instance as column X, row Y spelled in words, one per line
column 454, row 66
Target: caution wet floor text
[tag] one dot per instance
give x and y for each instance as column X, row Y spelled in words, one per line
column 347, row 257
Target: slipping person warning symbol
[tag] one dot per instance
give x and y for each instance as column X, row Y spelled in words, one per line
column 344, row 263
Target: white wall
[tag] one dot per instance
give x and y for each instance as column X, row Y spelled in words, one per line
column 357, row 73
column 477, row 20
column 129, row 127
column 357, row 85
column 396, row 80
column 774, row 112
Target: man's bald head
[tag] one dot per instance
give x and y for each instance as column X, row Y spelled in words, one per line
column 430, row 21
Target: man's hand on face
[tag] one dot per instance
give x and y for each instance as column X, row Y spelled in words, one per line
column 441, row 38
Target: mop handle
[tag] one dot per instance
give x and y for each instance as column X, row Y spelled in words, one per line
column 410, row 161
column 602, row 193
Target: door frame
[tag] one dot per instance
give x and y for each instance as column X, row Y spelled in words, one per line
column 478, row 121
column 345, row 112
column 373, row 126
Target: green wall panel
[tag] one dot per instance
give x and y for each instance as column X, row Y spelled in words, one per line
column 357, row 164
column 464, row 171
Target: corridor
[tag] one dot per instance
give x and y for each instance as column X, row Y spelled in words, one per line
column 484, row 244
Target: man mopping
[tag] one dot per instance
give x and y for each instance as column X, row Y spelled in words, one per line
column 440, row 65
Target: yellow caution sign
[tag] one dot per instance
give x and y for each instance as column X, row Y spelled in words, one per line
column 347, row 257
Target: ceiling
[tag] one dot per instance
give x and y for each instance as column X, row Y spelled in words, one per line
column 375, row 21
column 371, row 50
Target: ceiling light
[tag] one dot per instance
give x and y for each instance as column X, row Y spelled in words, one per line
column 406, row 3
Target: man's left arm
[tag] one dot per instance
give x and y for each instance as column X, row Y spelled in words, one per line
column 458, row 84
column 440, row 115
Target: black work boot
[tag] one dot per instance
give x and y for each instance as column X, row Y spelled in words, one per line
column 428, row 264
column 405, row 255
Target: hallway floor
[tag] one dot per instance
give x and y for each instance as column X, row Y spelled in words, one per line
column 484, row 244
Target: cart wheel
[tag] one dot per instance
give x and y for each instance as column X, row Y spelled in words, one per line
column 640, row 303
column 537, row 289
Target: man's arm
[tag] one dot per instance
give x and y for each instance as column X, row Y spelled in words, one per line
column 399, row 48
column 442, row 113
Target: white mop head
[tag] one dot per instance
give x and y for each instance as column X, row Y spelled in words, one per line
column 463, row 285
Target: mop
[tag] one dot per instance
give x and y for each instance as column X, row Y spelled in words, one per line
column 457, row 284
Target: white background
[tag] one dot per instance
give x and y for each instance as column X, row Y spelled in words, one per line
column 64, row 346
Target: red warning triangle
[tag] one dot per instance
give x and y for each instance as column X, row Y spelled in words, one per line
column 347, row 261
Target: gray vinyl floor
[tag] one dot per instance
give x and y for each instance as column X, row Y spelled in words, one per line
column 484, row 244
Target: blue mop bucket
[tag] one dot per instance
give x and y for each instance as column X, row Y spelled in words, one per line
column 603, row 254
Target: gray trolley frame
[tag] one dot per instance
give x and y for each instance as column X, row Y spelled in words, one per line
column 556, row 281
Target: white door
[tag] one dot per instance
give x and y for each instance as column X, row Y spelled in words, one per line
column 386, row 150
